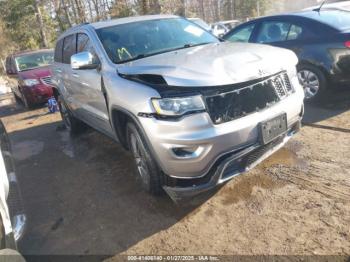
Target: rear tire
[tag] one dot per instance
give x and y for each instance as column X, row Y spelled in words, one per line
column 313, row 81
column 73, row 125
column 147, row 170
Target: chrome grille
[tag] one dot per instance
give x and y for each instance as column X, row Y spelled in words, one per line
column 47, row 80
column 278, row 84
column 225, row 107
column 287, row 82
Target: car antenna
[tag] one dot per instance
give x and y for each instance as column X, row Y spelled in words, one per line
column 320, row 7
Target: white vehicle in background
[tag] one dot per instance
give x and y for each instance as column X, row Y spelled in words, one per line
column 12, row 216
column 201, row 23
column 222, row 27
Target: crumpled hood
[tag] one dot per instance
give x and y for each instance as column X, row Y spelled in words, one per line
column 214, row 64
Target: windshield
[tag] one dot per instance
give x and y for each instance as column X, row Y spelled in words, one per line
column 335, row 18
column 31, row 61
column 127, row 42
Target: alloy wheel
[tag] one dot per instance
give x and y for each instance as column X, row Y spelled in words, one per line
column 310, row 82
column 65, row 115
column 140, row 160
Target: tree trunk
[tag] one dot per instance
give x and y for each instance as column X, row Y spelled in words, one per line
column 154, row 6
column 182, row 8
column 201, row 9
column 41, row 24
column 76, row 18
column 66, row 13
column 90, row 11
column 81, row 11
column 97, row 9
column 144, row 7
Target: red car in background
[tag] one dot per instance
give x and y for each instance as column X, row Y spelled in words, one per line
column 30, row 76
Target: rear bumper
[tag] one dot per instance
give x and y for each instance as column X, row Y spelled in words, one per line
column 229, row 166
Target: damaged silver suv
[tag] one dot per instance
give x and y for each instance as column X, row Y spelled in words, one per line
column 194, row 111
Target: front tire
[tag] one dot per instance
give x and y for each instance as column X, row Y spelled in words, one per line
column 73, row 125
column 147, row 170
column 25, row 101
column 17, row 99
column 313, row 81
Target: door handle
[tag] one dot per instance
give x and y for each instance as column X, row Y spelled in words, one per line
column 75, row 75
column 58, row 70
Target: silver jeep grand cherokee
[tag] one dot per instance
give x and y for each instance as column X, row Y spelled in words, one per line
column 193, row 110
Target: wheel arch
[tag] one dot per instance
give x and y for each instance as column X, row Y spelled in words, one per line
column 119, row 120
column 55, row 93
column 319, row 66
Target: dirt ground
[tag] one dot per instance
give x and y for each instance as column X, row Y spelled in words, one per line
column 81, row 197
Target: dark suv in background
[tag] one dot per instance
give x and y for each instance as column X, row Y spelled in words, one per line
column 320, row 39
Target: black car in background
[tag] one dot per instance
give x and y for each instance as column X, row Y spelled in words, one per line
column 320, row 38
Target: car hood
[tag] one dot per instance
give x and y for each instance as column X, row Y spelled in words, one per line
column 213, row 64
column 35, row 73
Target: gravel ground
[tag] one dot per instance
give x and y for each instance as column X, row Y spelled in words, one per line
column 81, row 198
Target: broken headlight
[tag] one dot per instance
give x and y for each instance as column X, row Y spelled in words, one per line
column 178, row 106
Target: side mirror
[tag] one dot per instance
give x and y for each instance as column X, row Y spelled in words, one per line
column 84, row 60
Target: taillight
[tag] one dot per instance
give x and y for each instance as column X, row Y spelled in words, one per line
column 347, row 44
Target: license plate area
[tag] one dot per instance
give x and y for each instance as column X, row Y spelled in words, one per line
column 273, row 128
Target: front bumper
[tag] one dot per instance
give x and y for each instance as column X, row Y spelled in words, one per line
column 229, row 166
column 208, row 142
column 38, row 94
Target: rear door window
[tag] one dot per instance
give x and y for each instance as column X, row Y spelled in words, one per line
column 242, row 35
column 295, row 32
column 273, row 31
column 69, row 48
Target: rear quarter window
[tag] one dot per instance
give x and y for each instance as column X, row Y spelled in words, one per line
column 69, row 48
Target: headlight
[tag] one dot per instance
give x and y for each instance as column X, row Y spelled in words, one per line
column 31, row 82
column 178, row 106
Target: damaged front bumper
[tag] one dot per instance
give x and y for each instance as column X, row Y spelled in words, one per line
column 228, row 166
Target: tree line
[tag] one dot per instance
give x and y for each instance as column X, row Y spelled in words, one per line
column 32, row 24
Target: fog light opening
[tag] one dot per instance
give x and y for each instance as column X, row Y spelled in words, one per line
column 187, row 152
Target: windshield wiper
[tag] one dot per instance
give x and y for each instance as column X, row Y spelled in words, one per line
column 193, row 45
column 161, row 52
column 132, row 59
